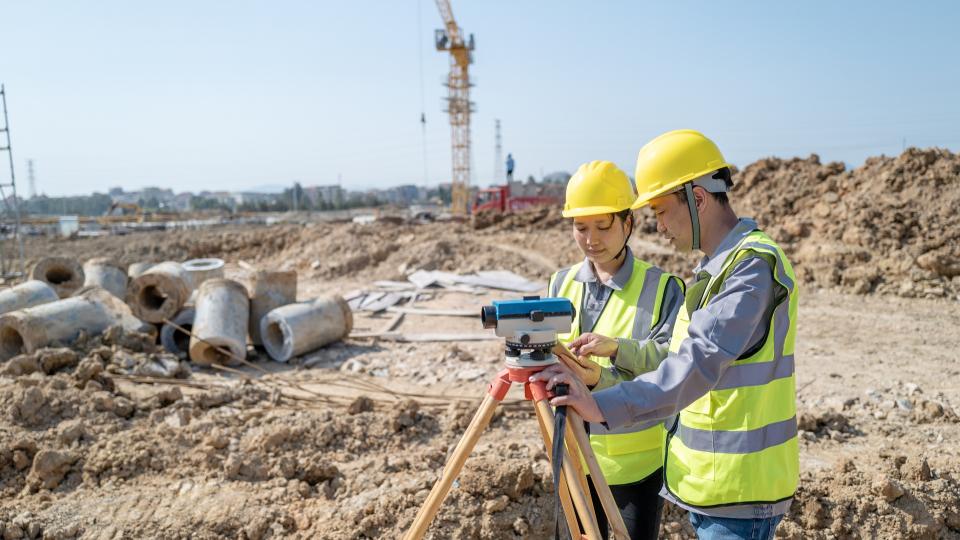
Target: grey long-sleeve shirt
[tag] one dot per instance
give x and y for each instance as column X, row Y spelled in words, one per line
column 732, row 322
column 634, row 355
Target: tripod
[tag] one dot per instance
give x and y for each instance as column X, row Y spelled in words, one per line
column 574, row 493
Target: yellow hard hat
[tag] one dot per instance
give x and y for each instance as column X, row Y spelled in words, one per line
column 673, row 159
column 598, row 187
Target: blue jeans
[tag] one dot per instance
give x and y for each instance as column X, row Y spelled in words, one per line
column 714, row 528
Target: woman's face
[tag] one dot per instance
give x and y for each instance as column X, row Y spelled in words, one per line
column 600, row 238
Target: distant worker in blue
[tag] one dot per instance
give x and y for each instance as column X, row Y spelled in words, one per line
column 509, row 167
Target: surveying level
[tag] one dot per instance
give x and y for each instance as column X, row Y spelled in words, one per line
column 529, row 327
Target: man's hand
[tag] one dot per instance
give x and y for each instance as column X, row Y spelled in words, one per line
column 578, row 397
column 594, row 344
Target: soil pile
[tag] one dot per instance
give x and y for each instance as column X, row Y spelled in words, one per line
column 889, row 226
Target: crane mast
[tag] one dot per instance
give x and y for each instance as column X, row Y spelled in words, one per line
column 450, row 39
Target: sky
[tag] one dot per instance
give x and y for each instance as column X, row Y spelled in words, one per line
column 244, row 95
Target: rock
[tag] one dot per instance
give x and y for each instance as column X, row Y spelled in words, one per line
column 88, row 368
column 904, row 404
column 889, row 488
column 70, row 431
column 916, row 468
column 20, row 460
column 493, row 506
column 359, row 405
column 49, row 467
column 178, row 418
column 23, row 364
column 912, row 388
column 28, row 406
column 52, row 360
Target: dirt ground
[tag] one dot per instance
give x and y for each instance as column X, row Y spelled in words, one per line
column 347, row 441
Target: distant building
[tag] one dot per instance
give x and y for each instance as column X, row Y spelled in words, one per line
column 330, row 195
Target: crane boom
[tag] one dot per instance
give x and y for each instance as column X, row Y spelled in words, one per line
column 450, row 39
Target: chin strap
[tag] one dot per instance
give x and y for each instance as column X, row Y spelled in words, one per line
column 626, row 240
column 694, row 216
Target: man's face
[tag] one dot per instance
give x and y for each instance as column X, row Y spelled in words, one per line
column 600, row 238
column 673, row 221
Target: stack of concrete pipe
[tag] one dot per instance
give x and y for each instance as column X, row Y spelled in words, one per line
column 213, row 319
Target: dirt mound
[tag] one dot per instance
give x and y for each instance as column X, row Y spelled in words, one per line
column 889, row 226
column 909, row 500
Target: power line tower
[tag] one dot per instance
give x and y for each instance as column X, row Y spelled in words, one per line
column 30, row 177
column 459, row 105
column 11, row 266
column 497, row 155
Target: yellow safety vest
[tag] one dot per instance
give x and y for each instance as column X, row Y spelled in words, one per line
column 737, row 444
column 630, row 453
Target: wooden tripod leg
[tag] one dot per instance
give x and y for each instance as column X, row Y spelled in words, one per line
column 573, row 448
column 581, row 500
column 568, row 512
column 617, row 527
column 452, row 469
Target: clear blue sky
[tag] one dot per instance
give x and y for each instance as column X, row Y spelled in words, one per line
column 232, row 95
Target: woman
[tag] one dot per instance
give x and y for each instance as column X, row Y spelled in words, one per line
column 625, row 313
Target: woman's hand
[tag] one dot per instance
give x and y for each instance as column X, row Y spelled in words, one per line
column 591, row 344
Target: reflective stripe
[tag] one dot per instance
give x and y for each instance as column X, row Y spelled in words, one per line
column 645, row 303
column 738, row 442
column 598, row 429
column 557, row 282
column 756, row 373
column 782, row 276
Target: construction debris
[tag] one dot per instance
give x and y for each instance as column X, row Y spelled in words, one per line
column 63, row 274
column 221, row 320
column 106, row 273
column 268, row 291
column 137, row 268
column 201, row 270
column 294, row 329
column 27, row 294
column 174, row 340
column 159, row 292
column 89, row 312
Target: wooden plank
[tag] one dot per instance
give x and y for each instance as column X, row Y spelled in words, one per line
column 434, row 312
column 426, row 337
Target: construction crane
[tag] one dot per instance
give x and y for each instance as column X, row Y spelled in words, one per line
column 451, row 39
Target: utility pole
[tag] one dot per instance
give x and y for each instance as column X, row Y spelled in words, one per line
column 11, row 206
column 497, row 155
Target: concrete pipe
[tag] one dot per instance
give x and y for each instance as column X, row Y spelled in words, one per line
column 135, row 269
column 201, row 270
column 104, row 272
column 160, row 292
column 174, row 340
column 222, row 313
column 268, row 291
column 27, row 294
column 92, row 310
column 295, row 329
column 63, row 274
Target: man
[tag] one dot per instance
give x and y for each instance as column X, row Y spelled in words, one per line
column 731, row 455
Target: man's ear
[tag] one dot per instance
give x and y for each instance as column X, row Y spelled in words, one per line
column 700, row 196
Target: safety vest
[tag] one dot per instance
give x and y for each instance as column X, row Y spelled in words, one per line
column 630, row 453
column 737, row 444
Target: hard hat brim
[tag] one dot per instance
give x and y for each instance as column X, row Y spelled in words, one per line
column 592, row 211
column 645, row 198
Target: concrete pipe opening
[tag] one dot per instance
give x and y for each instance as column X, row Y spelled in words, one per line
column 275, row 339
column 11, row 342
column 212, row 356
column 56, row 275
column 182, row 339
column 152, row 298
